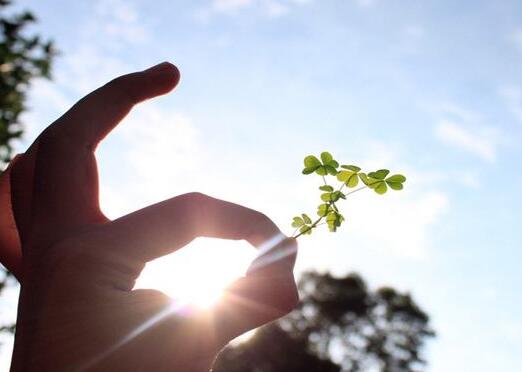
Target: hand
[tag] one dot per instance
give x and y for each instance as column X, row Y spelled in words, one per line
column 77, row 309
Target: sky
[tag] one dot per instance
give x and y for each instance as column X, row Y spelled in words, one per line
column 431, row 89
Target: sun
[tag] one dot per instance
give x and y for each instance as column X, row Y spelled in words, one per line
column 197, row 274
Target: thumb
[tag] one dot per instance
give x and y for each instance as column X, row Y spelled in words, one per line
column 266, row 293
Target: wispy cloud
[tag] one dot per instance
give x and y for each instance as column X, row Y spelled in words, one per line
column 453, row 111
column 119, row 20
column 270, row 8
column 479, row 143
column 465, row 130
column 163, row 150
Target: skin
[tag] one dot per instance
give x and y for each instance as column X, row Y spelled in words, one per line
column 77, row 309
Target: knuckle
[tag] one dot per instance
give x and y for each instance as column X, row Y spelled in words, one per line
column 195, row 197
column 195, row 207
column 262, row 218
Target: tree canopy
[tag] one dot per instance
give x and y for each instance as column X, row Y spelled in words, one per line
column 23, row 57
column 340, row 325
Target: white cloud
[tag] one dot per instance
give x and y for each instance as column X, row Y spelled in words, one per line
column 397, row 224
column 120, row 21
column 454, row 112
column 513, row 97
column 481, row 142
column 163, row 151
column 464, row 129
column 271, row 8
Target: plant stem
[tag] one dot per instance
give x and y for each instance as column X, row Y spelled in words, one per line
column 331, row 203
column 311, row 227
column 359, row 189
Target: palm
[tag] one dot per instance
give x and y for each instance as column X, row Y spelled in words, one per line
column 77, row 268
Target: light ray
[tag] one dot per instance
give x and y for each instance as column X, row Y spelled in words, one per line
column 174, row 307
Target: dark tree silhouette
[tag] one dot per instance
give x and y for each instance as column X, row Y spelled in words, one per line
column 23, row 58
column 341, row 321
column 272, row 349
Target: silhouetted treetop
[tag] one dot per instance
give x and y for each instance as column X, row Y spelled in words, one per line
column 339, row 325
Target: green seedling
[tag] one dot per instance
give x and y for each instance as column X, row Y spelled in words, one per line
column 350, row 177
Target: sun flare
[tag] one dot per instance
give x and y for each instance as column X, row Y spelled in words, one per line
column 197, row 275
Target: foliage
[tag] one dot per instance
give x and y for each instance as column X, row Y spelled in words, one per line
column 22, row 58
column 341, row 321
column 272, row 349
column 349, row 176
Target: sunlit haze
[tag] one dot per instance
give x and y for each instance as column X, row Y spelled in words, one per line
column 431, row 89
column 197, row 275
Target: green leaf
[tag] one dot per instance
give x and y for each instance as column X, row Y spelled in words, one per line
column 353, row 168
column 309, row 170
column 326, row 197
column 331, row 170
column 335, row 196
column 381, row 188
column 380, row 174
column 369, row 181
column 353, row 180
column 334, row 220
column 311, row 161
column 322, row 210
column 298, row 222
column 326, row 157
column 321, row 170
column 395, row 185
column 396, row 178
column 306, row 219
column 306, row 230
column 344, row 175
column 333, row 163
column 364, row 178
column 326, row 188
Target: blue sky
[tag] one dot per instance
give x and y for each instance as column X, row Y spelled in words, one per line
column 429, row 88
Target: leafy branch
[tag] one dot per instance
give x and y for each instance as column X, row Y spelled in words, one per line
column 350, row 177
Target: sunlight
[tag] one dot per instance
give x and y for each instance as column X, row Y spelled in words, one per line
column 197, row 274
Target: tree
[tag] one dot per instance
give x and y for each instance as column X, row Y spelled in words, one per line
column 23, row 58
column 272, row 349
column 341, row 321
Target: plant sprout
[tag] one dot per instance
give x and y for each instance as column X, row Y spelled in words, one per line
column 349, row 176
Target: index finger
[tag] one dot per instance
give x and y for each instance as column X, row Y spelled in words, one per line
column 163, row 228
column 95, row 115
column 65, row 176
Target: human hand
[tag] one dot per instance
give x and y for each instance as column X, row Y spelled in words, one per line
column 77, row 309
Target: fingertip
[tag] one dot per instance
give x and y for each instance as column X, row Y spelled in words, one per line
column 167, row 73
